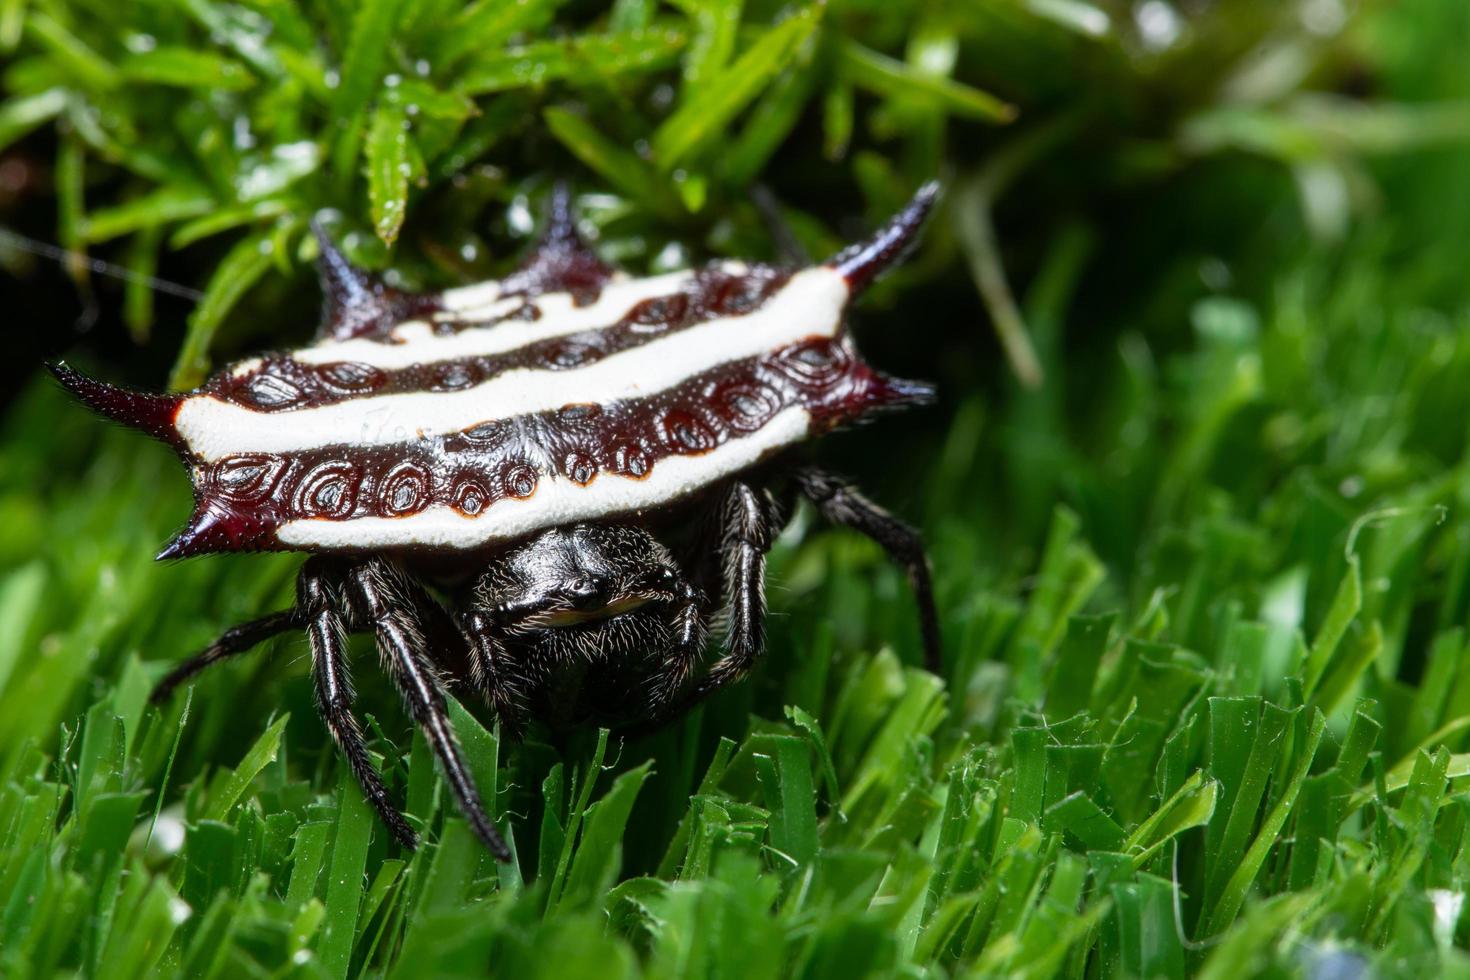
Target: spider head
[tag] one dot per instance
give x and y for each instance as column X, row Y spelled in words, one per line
column 579, row 580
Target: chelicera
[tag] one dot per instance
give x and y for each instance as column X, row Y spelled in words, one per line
column 586, row 466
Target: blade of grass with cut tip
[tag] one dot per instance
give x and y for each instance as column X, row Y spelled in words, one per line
column 1234, row 894
column 259, row 756
column 346, row 876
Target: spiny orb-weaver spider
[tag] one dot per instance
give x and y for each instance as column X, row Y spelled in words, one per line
column 553, row 450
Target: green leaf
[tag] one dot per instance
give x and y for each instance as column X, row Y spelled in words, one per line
column 790, row 796
column 160, row 207
column 770, row 122
column 187, row 68
column 84, row 65
column 617, row 166
column 1234, row 893
column 1085, row 820
column 363, row 59
column 420, row 98
column 1345, row 607
column 583, row 59
column 1192, row 805
column 716, row 26
column 599, row 852
column 486, row 24
column 712, row 105
column 307, row 855
column 241, row 268
column 388, row 170
column 226, row 219
column 885, row 76
column 21, row 593
column 19, row 116
column 1267, row 729
column 1078, row 657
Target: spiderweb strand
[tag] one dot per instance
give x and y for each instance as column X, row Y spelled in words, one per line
column 66, row 256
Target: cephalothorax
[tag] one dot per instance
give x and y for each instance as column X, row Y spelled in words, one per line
column 584, row 462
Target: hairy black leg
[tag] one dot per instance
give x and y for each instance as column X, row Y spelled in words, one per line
column 400, row 643
column 685, row 645
column 491, row 673
column 319, row 604
column 235, row 640
column 747, row 518
column 839, row 503
column 747, row 538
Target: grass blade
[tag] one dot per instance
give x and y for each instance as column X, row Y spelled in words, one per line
column 388, row 170
column 712, row 105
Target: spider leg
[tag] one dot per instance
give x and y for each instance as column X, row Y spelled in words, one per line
column 320, row 605
column 841, row 504
column 686, row 644
column 747, row 518
column 491, row 673
column 235, row 640
column 400, row 645
column 747, row 538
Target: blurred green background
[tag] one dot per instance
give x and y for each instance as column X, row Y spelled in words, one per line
column 1196, row 487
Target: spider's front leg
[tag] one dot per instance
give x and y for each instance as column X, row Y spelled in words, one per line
column 320, row 606
column 685, row 646
column 492, row 672
column 386, row 599
column 748, row 517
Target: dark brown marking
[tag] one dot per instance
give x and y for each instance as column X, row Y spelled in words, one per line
column 327, row 489
column 470, row 496
column 404, row 491
column 248, row 478
column 519, row 480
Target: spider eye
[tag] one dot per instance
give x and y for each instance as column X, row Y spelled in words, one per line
column 588, row 592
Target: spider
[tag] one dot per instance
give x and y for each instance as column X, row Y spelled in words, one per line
column 589, row 467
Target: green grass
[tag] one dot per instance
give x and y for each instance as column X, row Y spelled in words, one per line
column 1198, row 514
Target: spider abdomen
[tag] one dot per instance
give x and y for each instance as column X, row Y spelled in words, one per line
column 566, row 392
